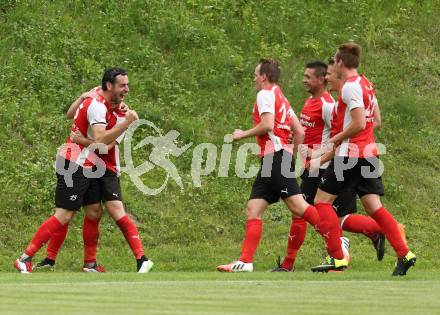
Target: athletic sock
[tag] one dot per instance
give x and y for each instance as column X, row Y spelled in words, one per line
column 297, row 234
column 330, row 230
column 131, row 234
column 253, row 233
column 55, row 242
column 311, row 215
column 357, row 223
column 90, row 233
column 389, row 227
column 43, row 234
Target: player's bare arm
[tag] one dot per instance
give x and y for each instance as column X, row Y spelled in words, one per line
column 377, row 117
column 78, row 138
column 297, row 133
column 316, row 162
column 101, row 135
column 357, row 124
column 266, row 125
column 93, row 93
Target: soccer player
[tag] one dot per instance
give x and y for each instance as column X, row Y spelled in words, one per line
column 316, row 119
column 356, row 164
column 91, row 203
column 98, row 118
column 92, row 199
column 356, row 223
column 273, row 120
column 319, row 126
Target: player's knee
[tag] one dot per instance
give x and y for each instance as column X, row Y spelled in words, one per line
column 323, row 197
column 297, row 205
column 94, row 211
column 318, row 199
column 63, row 215
column 371, row 203
column 115, row 209
column 252, row 213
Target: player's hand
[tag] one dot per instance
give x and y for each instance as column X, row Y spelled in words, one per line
column 77, row 137
column 333, row 141
column 238, row 134
column 124, row 107
column 290, row 138
column 303, row 151
column 130, row 117
column 313, row 164
column 93, row 93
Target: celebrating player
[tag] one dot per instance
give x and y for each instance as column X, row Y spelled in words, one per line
column 273, row 120
column 91, row 203
column 316, row 119
column 356, row 164
column 79, row 166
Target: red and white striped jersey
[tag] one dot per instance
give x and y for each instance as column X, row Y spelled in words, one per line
column 316, row 119
column 357, row 92
column 337, row 123
column 272, row 100
column 90, row 112
column 111, row 159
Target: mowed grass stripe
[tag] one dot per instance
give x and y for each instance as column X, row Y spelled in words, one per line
column 69, row 294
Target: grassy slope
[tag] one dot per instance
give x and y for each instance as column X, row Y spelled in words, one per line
column 213, row 293
column 190, row 67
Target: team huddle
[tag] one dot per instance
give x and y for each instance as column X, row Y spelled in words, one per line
column 335, row 140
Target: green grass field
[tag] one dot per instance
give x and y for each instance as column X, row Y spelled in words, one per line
column 214, row 293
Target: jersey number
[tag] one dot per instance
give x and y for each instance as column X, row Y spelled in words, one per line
column 284, row 111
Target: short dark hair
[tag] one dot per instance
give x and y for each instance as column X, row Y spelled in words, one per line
column 350, row 54
column 110, row 76
column 331, row 61
column 271, row 69
column 319, row 67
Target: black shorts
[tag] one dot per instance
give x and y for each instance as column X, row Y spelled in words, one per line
column 106, row 188
column 93, row 193
column 73, row 192
column 110, row 186
column 276, row 178
column 363, row 177
column 344, row 204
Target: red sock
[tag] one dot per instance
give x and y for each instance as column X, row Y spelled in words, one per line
column 131, row 234
column 389, row 227
column 330, row 230
column 253, row 232
column 357, row 223
column 56, row 241
column 298, row 230
column 90, row 232
column 43, row 234
column 311, row 215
